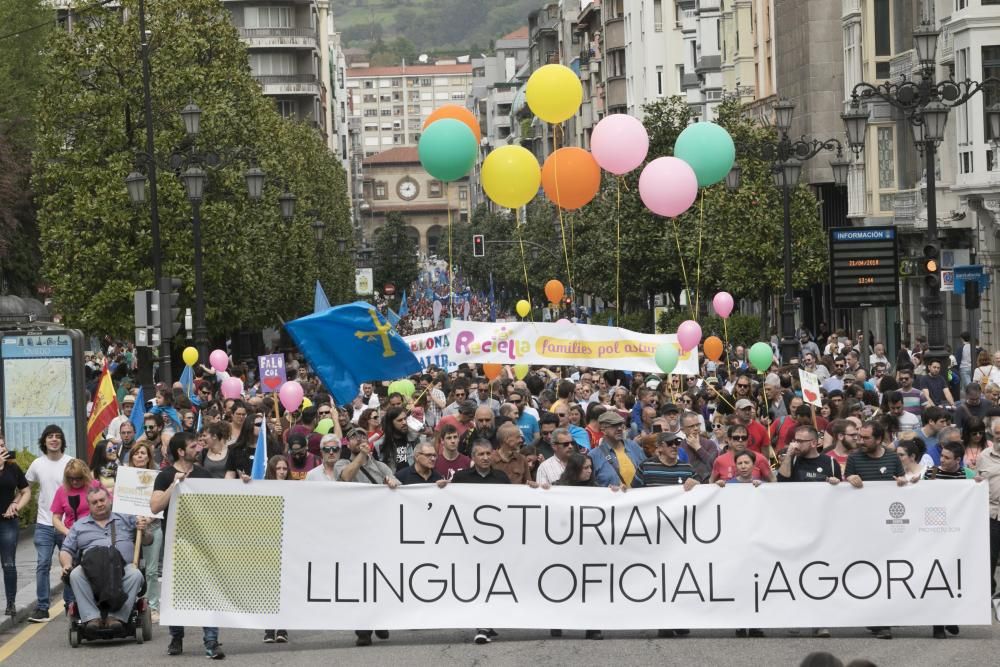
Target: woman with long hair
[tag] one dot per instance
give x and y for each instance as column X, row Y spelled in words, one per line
column 395, row 447
column 579, row 471
column 277, row 469
column 974, row 441
column 242, row 447
column 70, row 502
column 910, row 451
column 104, row 464
column 142, row 457
column 15, row 492
column 215, row 456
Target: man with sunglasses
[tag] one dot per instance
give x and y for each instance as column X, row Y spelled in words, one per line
column 617, row 458
column 665, row 467
column 552, row 468
column 300, row 460
column 153, row 433
column 332, row 452
column 737, row 436
column 836, row 381
column 760, row 442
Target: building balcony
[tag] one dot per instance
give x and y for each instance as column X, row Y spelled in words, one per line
column 614, row 34
column 903, row 66
column 616, row 94
column 589, row 10
column 946, row 45
column 501, row 120
column 587, row 115
column 689, row 80
column 289, row 84
column 905, row 206
column 707, row 64
column 850, row 8
column 279, row 38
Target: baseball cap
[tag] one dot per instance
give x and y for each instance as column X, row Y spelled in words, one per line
column 666, row 438
column 744, row 403
column 357, row 430
column 669, row 409
column 128, row 399
column 652, row 383
column 610, row 418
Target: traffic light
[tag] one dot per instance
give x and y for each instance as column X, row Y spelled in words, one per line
column 170, row 311
column 478, row 245
column 931, row 266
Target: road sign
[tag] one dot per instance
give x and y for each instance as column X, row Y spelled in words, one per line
column 389, row 289
column 864, row 265
column 971, row 272
column 947, row 280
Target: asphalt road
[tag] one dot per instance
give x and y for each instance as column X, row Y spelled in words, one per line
column 912, row 647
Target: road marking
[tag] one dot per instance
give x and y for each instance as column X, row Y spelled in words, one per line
column 21, row 638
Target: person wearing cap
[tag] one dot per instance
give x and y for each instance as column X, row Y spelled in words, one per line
column 670, row 417
column 461, row 420
column 759, row 441
column 113, row 431
column 617, row 458
column 664, row 468
column 300, row 459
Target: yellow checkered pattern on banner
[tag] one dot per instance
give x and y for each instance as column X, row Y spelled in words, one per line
column 227, row 553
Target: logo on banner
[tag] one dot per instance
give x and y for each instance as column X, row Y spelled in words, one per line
column 896, row 521
column 936, row 521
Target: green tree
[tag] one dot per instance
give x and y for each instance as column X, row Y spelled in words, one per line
column 395, row 257
column 97, row 247
column 26, row 25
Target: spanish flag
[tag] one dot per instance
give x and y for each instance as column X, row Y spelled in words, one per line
column 105, row 408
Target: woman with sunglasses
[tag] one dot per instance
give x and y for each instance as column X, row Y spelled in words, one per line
column 142, row 457
column 70, row 502
column 15, row 492
column 104, row 464
column 974, row 441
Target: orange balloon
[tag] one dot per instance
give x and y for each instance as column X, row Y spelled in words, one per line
column 571, row 178
column 554, row 291
column 713, row 348
column 458, row 113
column 492, row 371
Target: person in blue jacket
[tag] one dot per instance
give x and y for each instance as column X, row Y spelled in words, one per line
column 616, row 458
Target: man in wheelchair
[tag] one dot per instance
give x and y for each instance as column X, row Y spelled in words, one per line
column 97, row 555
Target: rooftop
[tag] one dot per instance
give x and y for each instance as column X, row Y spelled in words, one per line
column 401, row 155
column 520, row 33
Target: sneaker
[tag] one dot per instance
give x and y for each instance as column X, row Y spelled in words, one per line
column 883, row 633
column 952, row 629
column 821, row 632
column 594, row 634
column 212, row 652
column 268, row 636
column 481, row 638
column 755, row 632
column 176, row 646
column 555, row 633
column 938, row 632
column 491, row 633
column 39, row 616
column 11, row 609
column 742, row 632
column 382, row 634
column 363, row 641
column 281, row 636
column 683, row 632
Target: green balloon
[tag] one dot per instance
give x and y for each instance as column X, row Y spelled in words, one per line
column 447, row 149
column 761, row 356
column 406, row 388
column 666, row 357
column 708, row 149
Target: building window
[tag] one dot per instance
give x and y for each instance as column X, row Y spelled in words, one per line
column 399, row 139
column 659, row 80
column 883, row 27
column 415, row 138
column 369, row 113
column 272, row 64
column 286, row 108
column 370, row 99
column 381, row 190
column 368, row 83
column 991, row 70
column 965, row 162
column 425, row 82
column 267, row 17
column 886, row 159
column 658, row 15
column 434, row 189
column 397, row 83
column 458, row 96
column 463, row 193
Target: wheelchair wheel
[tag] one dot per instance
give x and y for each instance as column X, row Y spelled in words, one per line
column 138, row 635
column 147, row 624
column 74, row 636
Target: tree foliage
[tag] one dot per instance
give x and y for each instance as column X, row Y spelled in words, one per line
column 97, row 247
column 395, row 257
column 725, row 241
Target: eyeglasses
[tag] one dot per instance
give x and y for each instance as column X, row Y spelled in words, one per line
column 717, row 426
column 430, row 456
column 325, row 413
column 672, row 443
column 742, row 385
column 739, row 438
column 562, row 444
column 515, row 401
column 149, row 428
column 111, row 448
column 329, row 449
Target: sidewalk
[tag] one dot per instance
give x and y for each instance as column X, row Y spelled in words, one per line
column 26, row 598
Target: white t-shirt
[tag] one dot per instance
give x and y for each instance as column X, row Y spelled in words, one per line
column 49, row 476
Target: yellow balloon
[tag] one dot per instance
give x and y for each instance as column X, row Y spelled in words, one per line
column 521, row 370
column 306, row 403
column 511, row 176
column 554, row 93
column 523, row 307
column 190, row 356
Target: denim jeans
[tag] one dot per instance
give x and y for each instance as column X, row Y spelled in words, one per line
column 46, row 540
column 210, row 636
column 151, row 558
column 8, row 555
column 85, row 594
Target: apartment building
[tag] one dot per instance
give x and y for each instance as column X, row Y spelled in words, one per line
column 391, row 103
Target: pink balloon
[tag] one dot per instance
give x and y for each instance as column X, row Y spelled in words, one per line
column 723, row 304
column 619, row 143
column 290, row 395
column 668, row 186
column 232, row 387
column 689, row 335
column 219, row 360
column 563, row 320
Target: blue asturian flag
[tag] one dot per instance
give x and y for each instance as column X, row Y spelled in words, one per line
column 260, row 455
column 403, row 308
column 393, row 319
column 351, row 344
column 187, row 382
column 138, row 413
column 320, row 302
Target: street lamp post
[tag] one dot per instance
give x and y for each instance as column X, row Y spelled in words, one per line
column 925, row 104
column 787, row 156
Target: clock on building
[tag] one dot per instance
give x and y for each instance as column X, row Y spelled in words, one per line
column 407, row 188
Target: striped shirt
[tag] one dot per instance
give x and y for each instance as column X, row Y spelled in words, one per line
column 939, row 473
column 654, row 472
column 869, row 469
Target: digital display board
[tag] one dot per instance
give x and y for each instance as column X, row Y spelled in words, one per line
column 864, row 267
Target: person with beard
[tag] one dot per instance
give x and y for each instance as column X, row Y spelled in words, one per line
column 525, row 421
column 484, row 429
column 300, row 459
column 543, row 443
column 126, row 440
column 395, row 447
column 844, row 440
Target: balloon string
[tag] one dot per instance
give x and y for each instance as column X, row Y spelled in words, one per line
column 524, row 264
column 618, row 254
column 680, row 256
column 701, row 228
column 451, row 265
column 725, row 332
column 562, row 225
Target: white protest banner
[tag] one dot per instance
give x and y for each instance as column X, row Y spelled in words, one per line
column 545, row 344
column 810, row 388
column 259, row 555
column 432, row 349
column 133, row 489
